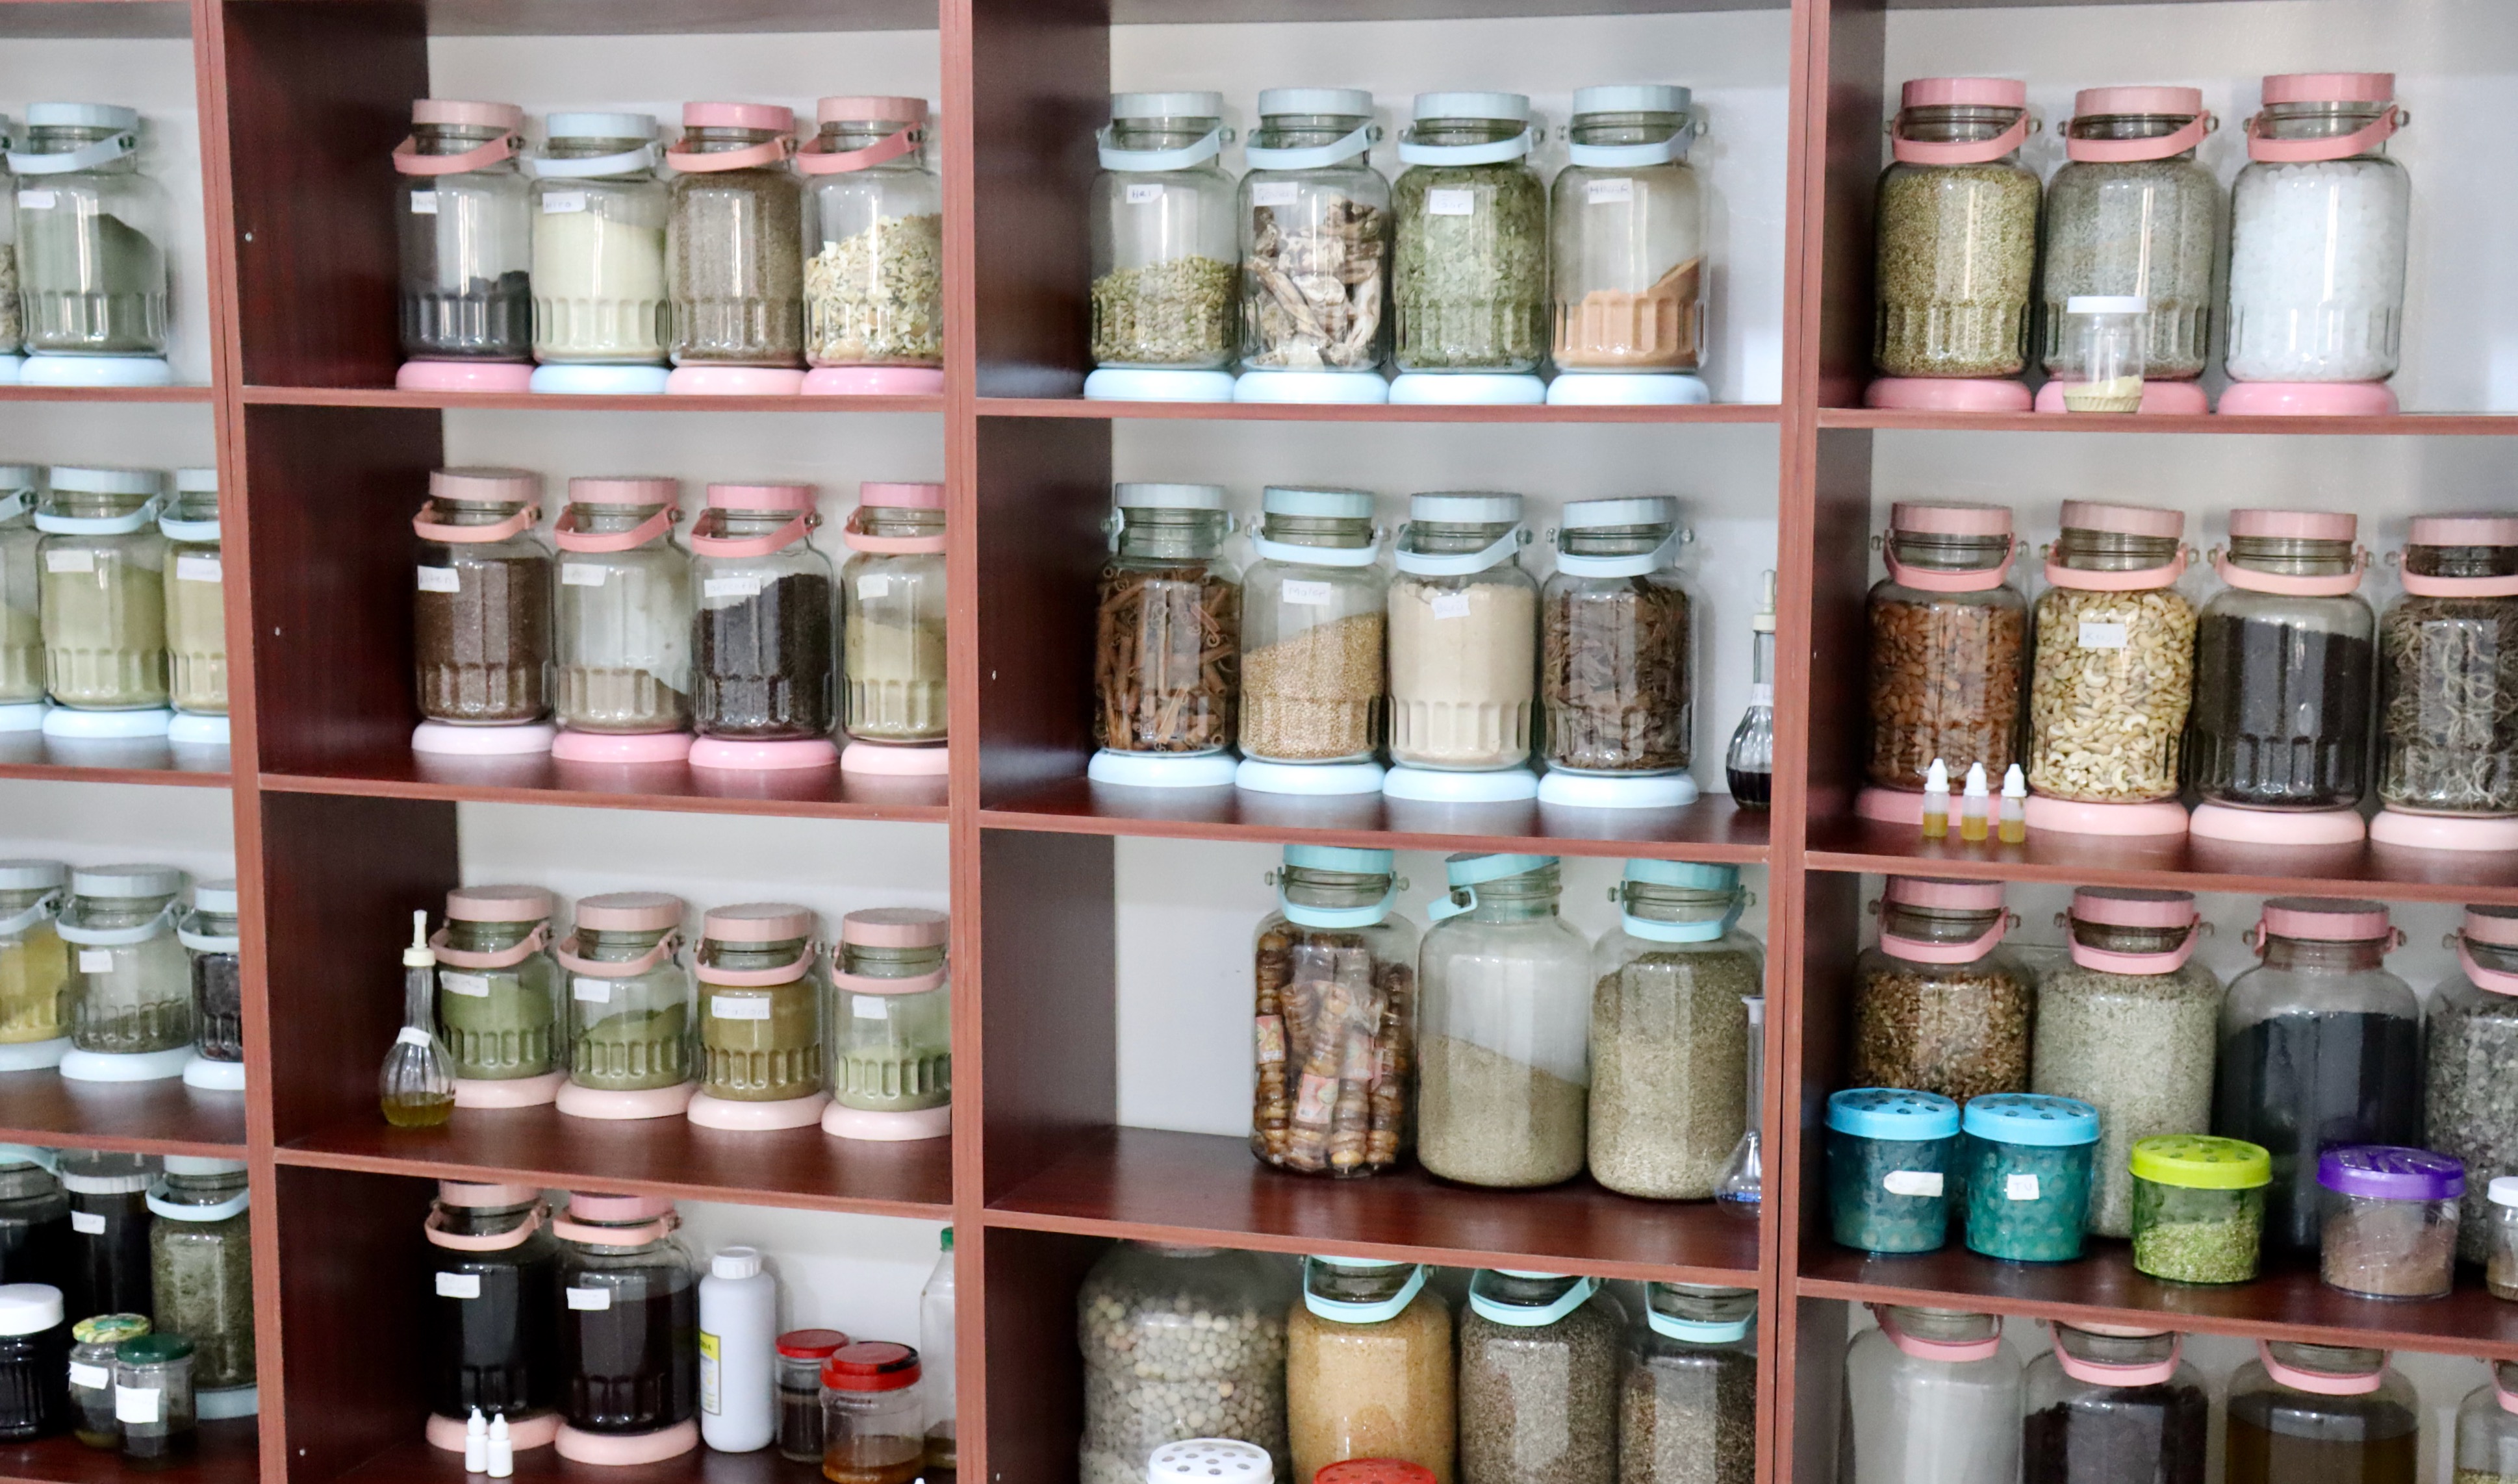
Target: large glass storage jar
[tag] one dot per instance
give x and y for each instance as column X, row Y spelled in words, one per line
column 34, row 962
column 2301, row 1412
column 1504, row 1062
column 1369, row 1366
column 733, row 238
column 104, row 589
column 2198, row 1207
column 1942, row 1008
column 892, row 588
column 1167, row 630
column 1315, row 236
column 629, row 1329
column 482, row 611
column 2133, row 215
column 1313, row 615
column 2471, row 1109
column 2487, row 1429
column 130, row 989
column 2128, row 1026
column 12, row 325
column 761, row 1010
column 1334, row 1017
column 1687, row 1395
column 2114, row 658
column 202, row 1266
column 1469, row 290
column 211, row 944
column 92, row 234
column 2024, row 1164
column 1892, row 1167
column 874, row 237
column 873, row 1416
column 2110, row 1404
column 2319, row 1046
column 2284, row 666
column 110, row 1223
column 1538, row 1380
column 467, row 250
column 1180, row 1343
column 35, row 1235
column 598, row 242
column 2389, row 1221
column 621, row 609
column 1669, row 1031
column 2447, row 652
column 893, row 1051
column 1164, row 239
column 1463, row 635
column 1932, row 1398
column 91, row 1376
column 2501, row 1264
column 2317, row 234
column 763, row 667
column 154, row 1401
column 1627, row 235
column 495, row 1305
column 196, row 620
column 1617, row 642
column 1948, row 638
column 22, row 623
column 1957, row 232
column 629, row 998
column 498, row 988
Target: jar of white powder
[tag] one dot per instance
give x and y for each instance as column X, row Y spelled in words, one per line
column 1463, row 630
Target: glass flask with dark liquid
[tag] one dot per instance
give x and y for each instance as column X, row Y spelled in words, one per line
column 2360, row 1424
column 494, row 1320
column 628, row 1331
column 108, row 1232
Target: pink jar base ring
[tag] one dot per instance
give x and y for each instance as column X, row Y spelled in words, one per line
column 213, row 1075
column 2271, row 826
column 757, row 1118
column 508, row 1091
column 516, row 741
column 1891, row 806
column 623, row 1450
column 2309, row 399
column 633, row 748
column 2440, row 831
column 733, row 756
column 874, row 381
column 463, row 377
column 2166, row 817
column 537, row 1431
column 2160, row 399
column 650, row 1103
column 842, row 1122
column 1933, row 393
column 894, row 760
column 734, row 381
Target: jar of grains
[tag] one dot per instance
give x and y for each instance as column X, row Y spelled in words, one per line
column 2487, row 1429
column 22, row 623
column 1932, row 1398
column 760, row 1015
column 599, row 242
column 1627, row 235
column 197, row 616
column 1948, row 634
column 1167, row 625
column 1164, row 238
column 891, row 1054
column 892, row 604
column 1687, row 1397
column 2500, row 1262
column 92, row 234
column 498, row 988
column 1470, row 287
column 104, row 589
column 628, row 1007
column 2198, row 1207
column 763, row 667
column 34, row 963
column 482, row 611
column 2128, row 1026
column 467, row 251
column 2024, row 1162
column 1538, row 1380
column 874, row 238
column 1616, row 647
column 1942, row 1008
column 1313, row 614
column 2447, row 676
column 1464, row 633
column 2284, row 669
column 2317, row 234
column 2112, row 1402
column 1957, row 232
column 1369, row 1366
column 2389, row 1221
column 2114, row 658
column 1669, row 1031
column 1334, row 1017
column 733, row 238
column 202, row 1266
column 1316, row 229
column 1891, row 1167
column 1503, row 1066
column 1180, row 1343
column 2470, row 1105
column 2133, row 214
column 2319, row 1046
column 622, row 609
column 2300, row 1411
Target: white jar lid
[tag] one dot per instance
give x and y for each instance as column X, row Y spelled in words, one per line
column 202, row 1165
column 1166, row 106
column 196, row 482
column 1327, row 504
column 1210, row 1461
column 1142, row 496
column 81, row 115
column 111, row 881
column 29, row 1308
column 218, row 897
column 599, row 126
column 1465, row 508
column 1344, row 103
column 2107, row 303
column 32, row 875
column 1513, row 108
column 1645, row 510
column 735, row 1263
column 86, row 480
column 105, row 1185
column 2504, row 1190
column 1631, row 97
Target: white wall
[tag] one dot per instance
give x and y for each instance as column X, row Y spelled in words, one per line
column 119, row 824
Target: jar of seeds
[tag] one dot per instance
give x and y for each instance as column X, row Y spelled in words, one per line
column 1312, row 614
column 2448, row 654
column 2116, row 657
column 734, row 239
column 1948, row 635
column 1335, row 1020
column 874, row 237
column 1164, row 238
column 1942, row 1006
column 1669, row 1031
column 1180, row 1342
column 1687, row 1402
column 1957, row 232
column 2471, row 1101
column 1538, row 1380
column 2133, row 214
column 2284, row 668
column 482, row 611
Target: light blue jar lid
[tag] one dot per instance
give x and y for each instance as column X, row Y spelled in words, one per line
column 1472, row 869
column 2032, row 1118
column 1342, row 858
column 1693, row 875
column 1892, row 1113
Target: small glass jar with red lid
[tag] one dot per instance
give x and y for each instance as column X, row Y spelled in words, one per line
column 801, row 1353
column 874, row 1427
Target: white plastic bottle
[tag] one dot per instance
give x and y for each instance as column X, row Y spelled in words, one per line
column 738, row 1344
column 936, row 1356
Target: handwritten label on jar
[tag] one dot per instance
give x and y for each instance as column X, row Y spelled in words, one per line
column 88, row 1223
column 874, row 586
column 2022, row 1187
column 196, row 568
column 589, row 1298
column 1451, row 605
column 474, row 985
column 1272, row 194
column 562, row 202
column 869, row 1007
column 90, row 1377
column 580, row 575
column 730, row 587
column 459, row 1285
column 1144, row 193
column 36, row 201
column 1609, row 193
column 738, row 1007
column 1912, row 1183
column 423, row 203
column 138, row 1404
column 439, row 580
column 1451, row 203
column 96, row 960
column 592, row 991
column 1307, row 594
column 2102, row 636
column 69, row 560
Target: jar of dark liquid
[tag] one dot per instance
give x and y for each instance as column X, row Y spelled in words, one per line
column 493, row 1317
column 801, row 1353
column 628, row 1325
column 208, row 934
column 2110, row 1405
column 34, row 1220
column 763, row 666
column 2310, row 1413
column 483, row 599
column 2286, row 667
column 153, row 1397
column 34, row 1361
column 202, row 1267
column 110, row 1223
column 92, row 1345
column 874, row 1427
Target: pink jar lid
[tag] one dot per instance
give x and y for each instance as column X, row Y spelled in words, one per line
column 738, row 116
column 469, row 1193
column 498, row 904
column 2133, row 907
column 630, row 911
column 2462, row 530
column 625, row 489
column 2294, row 524
column 479, row 115
column 596, row 1207
column 2331, row 87
column 2325, row 920
column 2166, row 101
column 901, row 496
column 1951, row 896
column 895, row 927
column 514, row 487
column 2123, row 520
column 1988, row 91
column 851, row 108
column 758, row 922
column 2497, row 926
column 797, row 497
column 1956, row 518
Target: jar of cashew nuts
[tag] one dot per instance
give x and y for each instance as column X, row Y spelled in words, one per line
column 2114, row 670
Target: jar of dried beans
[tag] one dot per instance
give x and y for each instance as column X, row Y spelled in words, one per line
column 1312, row 614
column 1616, row 644
column 1164, row 243
column 1369, row 1366
column 1180, row 1343
column 1316, row 235
column 1669, row 1031
column 1942, row 1008
column 1470, row 285
column 762, row 665
column 2131, row 213
column 466, row 240
column 2114, row 663
column 2389, row 1219
column 1463, row 630
column 1167, row 629
column 1948, row 635
column 623, row 610
column 1627, row 235
column 873, row 249
column 1504, row 1069
column 733, row 243
column 2447, row 718
column 1687, row 1400
column 1335, row 1017
column 1538, row 1378
column 2470, row 1101
column 1957, row 233
column 483, row 601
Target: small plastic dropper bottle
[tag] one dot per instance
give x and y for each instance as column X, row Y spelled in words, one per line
column 1974, row 804
column 2015, row 807
column 1936, row 801
column 417, row 1083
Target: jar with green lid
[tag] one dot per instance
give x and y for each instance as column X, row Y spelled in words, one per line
column 1504, row 1061
column 628, row 1026
column 22, row 622
column 34, row 966
column 196, row 619
column 1669, row 1031
column 214, row 948
column 154, row 1406
column 1470, row 286
column 734, row 245
column 1369, row 1366
column 1334, row 1017
column 131, row 991
column 104, row 589
column 1687, row 1399
column 893, row 611
column 497, row 995
column 481, row 609
column 2198, row 1207
column 92, row 234
column 760, row 1018
column 1538, row 1380
column 621, row 617
column 92, row 1346
column 1312, row 624
column 202, row 1272
column 891, row 1027
column 1892, row 1167
column 1957, row 233
column 2025, row 1162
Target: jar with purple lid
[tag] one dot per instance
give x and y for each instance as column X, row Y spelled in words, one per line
column 2390, row 1221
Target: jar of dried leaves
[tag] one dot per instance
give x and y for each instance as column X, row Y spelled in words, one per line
column 1941, row 1007
column 1312, row 623
column 874, row 237
column 1949, row 641
column 1163, row 236
column 1335, row 1021
column 1688, row 1401
column 2448, row 650
column 1669, row 1031
column 1957, row 232
column 1168, row 627
column 2470, row 1100
column 1315, row 235
column 1617, row 673
column 1470, row 284
column 1627, row 235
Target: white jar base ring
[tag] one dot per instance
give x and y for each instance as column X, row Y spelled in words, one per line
column 2309, row 399
column 124, row 1067
column 2166, row 817
column 1353, row 389
column 1435, row 785
column 1162, row 769
column 221, row 1403
column 755, row 1118
column 887, row 1127
column 2443, row 831
column 1317, row 779
column 189, row 731
column 600, row 380
column 523, row 1432
column 1129, row 384
column 33, row 1055
column 517, row 741
column 732, row 756
column 2274, row 827
column 734, row 381
column 508, row 1091
column 73, row 725
column 45, row 371
column 621, row 1450
column 213, row 1075
column 10, row 367
column 2160, row 399
column 23, row 715
column 1467, row 389
column 1628, row 389
column 874, row 381
column 1956, row 394
column 629, row 748
column 895, row 760
column 647, row 1103
column 1590, row 790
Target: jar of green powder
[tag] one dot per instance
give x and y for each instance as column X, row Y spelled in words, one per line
column 892, row 1029
column 91, row 234
column 498, row 989
column 2198, row 1207
column 200, row 1254
column 629, row 1008
column 760, row 1018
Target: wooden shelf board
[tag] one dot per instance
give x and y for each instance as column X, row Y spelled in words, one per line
column 415, row 1463
column 146, row 763
column 673, row 1157
column 2410, row 424
column 14, row 18
column 1154, row 1185
column 807, row 793
column 1241, row 411
column 1179, row 12
column 164, row 1117
column 229, row 1453
column 527, row 402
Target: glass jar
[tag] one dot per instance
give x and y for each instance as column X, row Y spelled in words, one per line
column 108, row 1232
column 629, row 1333
column 209, row 936
column 733, row 238
column 2115, row 661
column 1167, row 633
column 481, row 612
column 2128, row 1027
column 1334, row 1017
column 11, row 327
column 2301, row 1412
column 22, row 622
column 1538, row 1378
column 621, row 609
column 629, row 998
column 2470, row 1111
column 760, row 1014
column 874, row 237
column 935, row 1327
column 2317, row 234
column 2284, row 666
column 2448, row 654
column 1313, row 616
column 498, row 989
column 153, row 1397
column 467, row 251
column 93, row 1341
column 104, row 589
column 202, row 1266
column 1504, row 1061
column 1463, row 635
column 1942, row 1006
column 2131, row 213
column 1932, row 1398
column 598, row 242
column 2319, row 1046
column 2390, row 1219
column 92, row 234
column 2487, row 1429
column 34, row 962
column 1617, row 642
column 874, row 1427
column 1469, row 289
column 197, row 618
column 34, row 1221
column 1315, row 231
column 892, row 596
column 2107, row 338
column 801, row 1353
column 1892, row 1166
column 2501, row 1264
column 130, row 989
column 2024, row 1162
column 1180, row 1343
column 2198, row 1207
column 2111, row 1403
column 1948, row 635
column 1669, row 1031
column 764, row 663
column 1164, row 239
column 494, row 1314
column 1687, row 1395
column 893, row 1051
column 1957, row 232
column 1369, row 1366
column 1627, row 235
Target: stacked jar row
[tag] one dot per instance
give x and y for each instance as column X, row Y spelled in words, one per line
column 105, row 975
column 1367, row 1373
column 83, row 238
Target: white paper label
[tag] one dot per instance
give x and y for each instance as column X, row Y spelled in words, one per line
column 869, row 1007
column 439, row 580
column 2020, row 1187
column 96, row 960
column 410, row 1036
column 1451, row 203
column 580, row 575
column 90, row 1377
column 137, row 1404
column 1144, row 193
column 2102, row 636
column 592, row 991
column 88, row 1223
column 1451, row 605
column 730, row 587
column 459, row 1285
column 35, row 201
column 423, row 203
column 1307, row 594
column 196, row 568
column 69, row 560
column 475, row 986
column 878, row 585
column 1912, row 1183
column 1272, row 194
column 738, row 1007
column 1606, row 193
column 589, row 1298
column 560, row 202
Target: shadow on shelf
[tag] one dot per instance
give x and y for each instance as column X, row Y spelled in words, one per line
column 230, row 1453
column 164, row 1116
column 30, row 755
